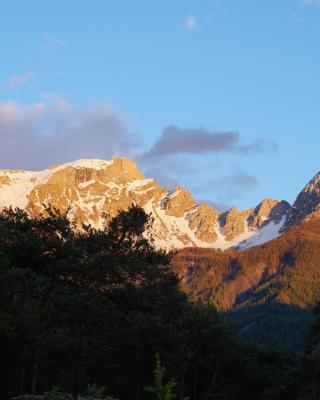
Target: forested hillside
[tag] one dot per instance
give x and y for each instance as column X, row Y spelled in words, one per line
column 285, row 269
column 270, row 288
column 96, row 308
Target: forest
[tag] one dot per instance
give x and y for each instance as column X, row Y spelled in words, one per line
column 99, row 314
column 266, row 292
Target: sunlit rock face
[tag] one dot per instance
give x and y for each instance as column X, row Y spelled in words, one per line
column 203, row 221
column 234, row 223
column 307, row 202
column 178, row 202
column 93, row 191
column 268, row 210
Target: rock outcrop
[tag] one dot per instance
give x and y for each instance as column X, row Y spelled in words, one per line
column 307, row 202
column 93, row 191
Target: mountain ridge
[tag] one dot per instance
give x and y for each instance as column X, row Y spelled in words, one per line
column 93, row 190
column 259, row 274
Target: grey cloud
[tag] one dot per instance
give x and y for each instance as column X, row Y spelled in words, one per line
column 37, row 136
column 201, row 141
column 234, row 186
column 258, row 146
column 165, row 179
column 226, row 189
column 237, row 181
column 170, row 172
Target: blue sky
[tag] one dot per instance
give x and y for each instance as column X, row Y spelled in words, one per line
column 108, row 77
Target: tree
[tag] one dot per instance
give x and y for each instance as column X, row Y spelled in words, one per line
column 83, row 307
column 35, row 254
column 93, row 307
column 159, row 389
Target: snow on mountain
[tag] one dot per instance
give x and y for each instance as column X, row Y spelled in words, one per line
column 93, row 191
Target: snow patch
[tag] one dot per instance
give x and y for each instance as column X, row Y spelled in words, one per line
column 84, row 163
column 83, row 185
column 138, row 184
column 15, row 194
column 263, row 235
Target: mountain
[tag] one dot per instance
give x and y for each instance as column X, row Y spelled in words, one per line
column 307, row 202
column 91, row 191
column 267, row 291
column 284, row 270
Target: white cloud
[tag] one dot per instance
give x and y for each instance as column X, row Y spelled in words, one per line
column 190, row 23
column 47, row 133
column 51, row 43
column 16, row 81
column 310, row 2
column 57, row 41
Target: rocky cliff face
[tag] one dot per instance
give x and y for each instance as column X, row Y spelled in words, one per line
column 93, row 191
column 307, row 202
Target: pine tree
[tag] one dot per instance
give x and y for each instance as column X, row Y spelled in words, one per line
column 159, row 389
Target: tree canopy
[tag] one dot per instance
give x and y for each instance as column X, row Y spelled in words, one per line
column 95, row 307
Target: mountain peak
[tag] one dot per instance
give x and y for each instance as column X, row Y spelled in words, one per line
column 269, row 209
column 89, row 189
column 118, row 170
column 84, row 163
column 314, row 184
column 98, row 164
column 307, row 202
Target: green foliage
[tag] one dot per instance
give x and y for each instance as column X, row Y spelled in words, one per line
column 94, row 307
column 273, row 324
column 54, row 394
column 306, row 379
column 92, row 393
column 78, row 308
column 314, row 335
column 159, row 389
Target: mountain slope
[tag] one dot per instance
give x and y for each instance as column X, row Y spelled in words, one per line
column 284, row 270
column 307, row 202
column 251, row 282
column 91, row 191
column 266, row 291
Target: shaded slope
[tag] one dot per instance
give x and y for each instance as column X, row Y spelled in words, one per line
column 272, row 323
